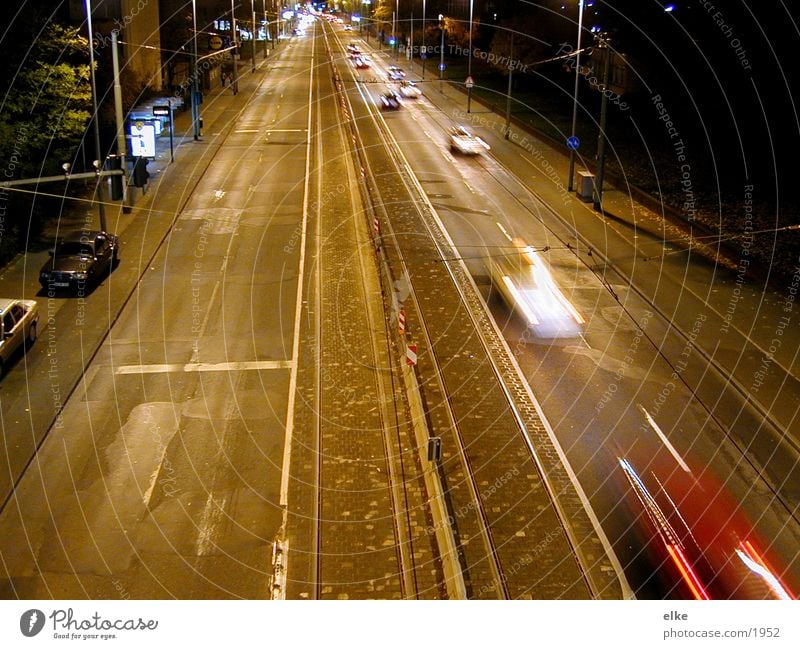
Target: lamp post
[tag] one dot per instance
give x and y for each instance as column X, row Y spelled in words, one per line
column 193, row 85
column 441, row 54
column 469, row 60
column 603, row 43
column 424, row 49
column 394, row 27
column 575, row 97
column 266, row 25
column 253, row 34
column 510, row 81
column 100, row 205
column 234, row 43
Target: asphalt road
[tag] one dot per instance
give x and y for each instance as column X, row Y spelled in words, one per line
column 161, row 476
column 628, row 387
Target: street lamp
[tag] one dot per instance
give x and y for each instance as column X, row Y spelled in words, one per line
column 395, row 16
column 575, row 97
column 100, row 205
column 234, row 43
column 266, row 25
column 469, row 62
column 424, row 50
column 441, row 53
column 193, row 85
column 253, row 34
column 604, row 44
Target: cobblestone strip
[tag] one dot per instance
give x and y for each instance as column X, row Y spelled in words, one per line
column 550, row 462
column 536, row 552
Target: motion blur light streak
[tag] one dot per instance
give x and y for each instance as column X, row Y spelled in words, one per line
column 687, row 573
column 752, row 559
column 520, row 301
column 665, row 531
column 528, row 286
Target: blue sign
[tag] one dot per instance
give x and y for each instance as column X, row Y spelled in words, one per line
column 573, row 142
column 423, row 55
column 442, row 66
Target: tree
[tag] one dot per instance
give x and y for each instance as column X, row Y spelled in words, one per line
column 526, row 50
column 48, row 101
column 44, row 111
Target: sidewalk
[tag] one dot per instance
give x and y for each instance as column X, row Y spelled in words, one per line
column 71, row 329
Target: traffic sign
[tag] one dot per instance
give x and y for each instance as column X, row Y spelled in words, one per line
column 573, row 142
column 215, row 42
column 411, row 355
column 423, row 55
column 401, row 322
column 470, row 82
column 442, row 67
column 161, row 110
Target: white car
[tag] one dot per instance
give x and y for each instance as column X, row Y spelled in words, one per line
column 19, row 321
column 410, row 90
column 525, row 283
column 463, row 141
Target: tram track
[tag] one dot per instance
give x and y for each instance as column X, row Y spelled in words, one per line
column 473, row 462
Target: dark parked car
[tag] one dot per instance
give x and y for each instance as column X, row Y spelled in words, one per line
column 79, row 260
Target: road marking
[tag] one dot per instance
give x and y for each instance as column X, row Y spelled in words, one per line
column 504, row 231
column 233, row 366
column 664, row 439
column 287, row 130
column 287, row 444
column 219, row 193
column 213, row 513
column 247, row 130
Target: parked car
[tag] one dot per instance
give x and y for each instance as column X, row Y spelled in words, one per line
column 79, row 259
column 19, row 321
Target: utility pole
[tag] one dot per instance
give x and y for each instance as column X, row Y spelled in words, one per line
column 510, row 78
column 266, row 25
column 234, row 42
column 424, row 51
column 575, row 97
column 441, row 55
column 194, row 86
column 253, row 34
column 96, row 119
column 122, row 147
column 603, row 44
column 469, row 60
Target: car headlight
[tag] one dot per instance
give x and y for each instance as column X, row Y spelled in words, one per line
column 81, row 277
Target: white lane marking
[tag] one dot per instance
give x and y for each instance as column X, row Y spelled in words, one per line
column 247, row 130
column 287, row 443
column 627, row 591
column 219, row 193
column 232, row 366
column 287, row 130
column 504, row 231
column 664, row 439
column 212, row 513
